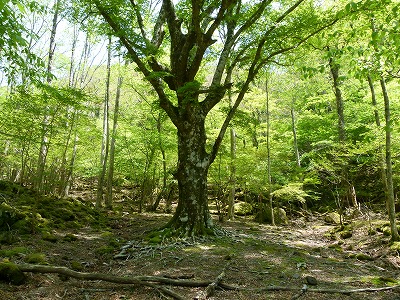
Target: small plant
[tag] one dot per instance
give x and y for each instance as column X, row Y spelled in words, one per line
column 47, row 236
column 36, row 258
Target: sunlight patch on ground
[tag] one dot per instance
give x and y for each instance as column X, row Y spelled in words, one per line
column 305, row 243
column 88, row 236
column 205, row 247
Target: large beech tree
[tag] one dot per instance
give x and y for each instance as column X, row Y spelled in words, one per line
column 172, row 41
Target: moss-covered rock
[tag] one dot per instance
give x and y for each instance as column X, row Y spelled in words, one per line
column 9, row 272
column 332, row 218
column 36, row 258
column 363, row 256
column 395, row 247
column 386, row 231
column 346, row 234
column 104, row 250
column 47, row 236
column 9, row 216
column 77, row 266
column 264, row 216
column 243, row 208
column 13, row 252
column 280, row 216
column 25, row 211
column 69, row 237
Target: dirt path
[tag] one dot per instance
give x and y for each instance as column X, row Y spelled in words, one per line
column 253, row 256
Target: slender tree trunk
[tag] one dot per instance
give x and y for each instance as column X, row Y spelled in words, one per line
column 232, row 191
column 349, row 187
column 389, row 174
column 106, row 135
column 70, row 170
column 163, row 192
column 71, row 77
column 44, row 144
column 294, row 131
column 373, row 98
column 109, row 195
column 382, row 160
column 334, row 68
column 271, row 206
column 63, row 168
column 147, row 182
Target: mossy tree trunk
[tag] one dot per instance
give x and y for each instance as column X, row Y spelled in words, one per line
column 192, row 215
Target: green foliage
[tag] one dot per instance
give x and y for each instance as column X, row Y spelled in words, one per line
column 17, row 251
column 16, row 56
column 292, row 192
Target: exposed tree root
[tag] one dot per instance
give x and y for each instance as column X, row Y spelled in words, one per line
column 139, row 280
column 210, row 290
column 153, row 281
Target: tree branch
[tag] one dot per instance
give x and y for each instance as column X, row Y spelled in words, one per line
column 167, row 105
column 232, row 38
column 210, row 285
column 140, row 21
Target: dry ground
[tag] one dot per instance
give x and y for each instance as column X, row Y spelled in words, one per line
column 253, row 256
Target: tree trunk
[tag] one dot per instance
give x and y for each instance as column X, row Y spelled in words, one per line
column 271, row 207
column 231, row 200
column 163, row 193
column 347, row 185
column 110, row 175
column 63, row 169
column 44, row 144
column 232, row 191
column 188, row 47
column 105, row 139
column 382, row 160
column 70, row 170
column 389, row 174
column 295, row 144
column 334, row 68
column 192, row 216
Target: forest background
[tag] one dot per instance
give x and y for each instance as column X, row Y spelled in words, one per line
column 317, row 128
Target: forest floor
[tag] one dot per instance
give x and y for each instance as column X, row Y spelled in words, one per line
column 262, row 260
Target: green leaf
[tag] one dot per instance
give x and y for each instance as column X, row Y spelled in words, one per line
column 21, row 7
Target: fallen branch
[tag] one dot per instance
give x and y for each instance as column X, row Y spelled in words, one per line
column 211, row 287
column 326, row 291
column 150, row 281
column 139, row 280
column 110, row 278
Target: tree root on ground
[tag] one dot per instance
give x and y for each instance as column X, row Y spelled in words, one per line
column 155, row 281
